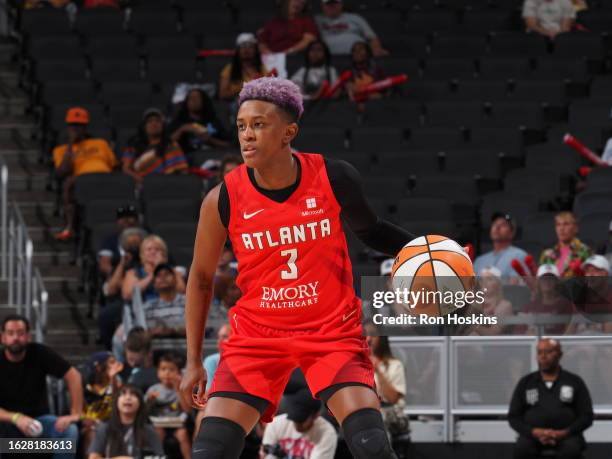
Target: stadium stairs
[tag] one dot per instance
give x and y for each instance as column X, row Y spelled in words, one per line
column 69, row 330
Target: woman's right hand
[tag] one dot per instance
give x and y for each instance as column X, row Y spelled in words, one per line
column 194, row 377
column 23, row 424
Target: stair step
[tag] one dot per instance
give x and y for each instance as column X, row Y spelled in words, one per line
column 52, row 258
column 28, row 183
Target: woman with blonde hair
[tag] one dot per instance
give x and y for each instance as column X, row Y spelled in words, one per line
column 153, row 251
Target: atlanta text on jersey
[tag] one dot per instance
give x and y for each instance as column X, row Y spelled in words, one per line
column 286, row 235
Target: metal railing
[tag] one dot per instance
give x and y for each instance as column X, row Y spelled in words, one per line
column 451, row 378
column 25, row 287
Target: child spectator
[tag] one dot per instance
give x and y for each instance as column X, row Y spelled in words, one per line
column 163, row 400
column 82, row 154
column 127, row 432
column 290, row 32
column 151, row 151
column 317, row 69
column 103, row 383
column 246, row 66
column 365, row 70
column 196, row 125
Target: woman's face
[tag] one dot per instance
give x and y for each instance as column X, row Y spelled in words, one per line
column 491, row 284
column 296, row 7
column 547, row 283
column 128, row 403
column 152, row 252
column 247, row 51
column 360, row 53
column 154, row 126
column 316, row 54
column 194, row 101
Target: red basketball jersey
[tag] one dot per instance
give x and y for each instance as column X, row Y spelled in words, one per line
column 294, row 270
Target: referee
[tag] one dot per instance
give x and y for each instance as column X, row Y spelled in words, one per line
column 550, row 408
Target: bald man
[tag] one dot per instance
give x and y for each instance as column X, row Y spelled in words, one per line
column 550, row 408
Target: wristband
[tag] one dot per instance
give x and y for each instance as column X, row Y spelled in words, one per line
column 15, row 418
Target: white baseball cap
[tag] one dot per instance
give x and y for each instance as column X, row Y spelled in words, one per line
column 386, row 267
column 491, row 271
column 598, row 261
column 543, row 270
column 245, row 38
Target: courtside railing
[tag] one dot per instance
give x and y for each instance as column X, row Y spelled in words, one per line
column 25, row 289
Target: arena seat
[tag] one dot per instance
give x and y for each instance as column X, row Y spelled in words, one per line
column 114, row 93
column 579, row 45
column 91, row 187
column 169, row 71
column 392, row 113
column 483, row 22
column 407, row 45
column 594, row 228
column 473, row 163
column 543, row 183
column 160, row 211
column 458, row 46
column 55, row 47
column 430, row 209
column 66, row 92
column 545, row 92
column 377, row 138
column 517, row 44
column 430, row 21
column 311, row 140
column 97, row 22
column 593, row 202
column 113, row 47
column 521, row 114
column 447, row 113
column 551, row 68
column 155, row 21
column 554, row 156
column 171, row 47
column 157, row 187
column 504, row 139
column 449, row 69
column 600, row 179
column 376, row 187
column 111, row 70
column 57, row 70
column 520, row 206
column 45, row 21
column 495, row 68
column 409, row 163
column 423, row 91
column 436, row 138
column 484, row 91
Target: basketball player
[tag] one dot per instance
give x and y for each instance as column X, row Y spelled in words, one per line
column 282, row 212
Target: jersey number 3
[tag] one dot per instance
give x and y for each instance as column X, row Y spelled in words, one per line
column 292, row 272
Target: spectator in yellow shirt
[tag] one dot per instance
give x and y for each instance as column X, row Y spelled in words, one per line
column 81, row 155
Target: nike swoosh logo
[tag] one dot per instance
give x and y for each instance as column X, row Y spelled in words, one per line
column 365, row 440
column 346, row 316
column 247, row 216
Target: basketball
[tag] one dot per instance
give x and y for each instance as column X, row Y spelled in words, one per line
column 433, row 263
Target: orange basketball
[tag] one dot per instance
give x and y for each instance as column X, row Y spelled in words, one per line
column 433, row 263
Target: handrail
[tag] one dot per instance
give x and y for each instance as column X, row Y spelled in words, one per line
column 26, row 290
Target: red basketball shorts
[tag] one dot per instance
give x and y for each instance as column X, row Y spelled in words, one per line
column 259, row 360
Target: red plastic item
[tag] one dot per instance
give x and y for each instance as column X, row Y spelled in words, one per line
column 574, row 143
column 341, row 81
column 531, row 264
column 518, row 267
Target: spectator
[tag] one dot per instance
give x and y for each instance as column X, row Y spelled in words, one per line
column 550, row 300
column 495, row 305
column 165, row 315
column 196, row 125
column 138, row 355
column 228, row 164
column 81, row 155
column 290, row 32
column 301, row 432
column 317, row 69
column 246, row 66
column 153, row 252
column 342, row 30
column 390, row 379
column 24, row 367
column 502, row 233
column 127, row 433
column 32, row 4
column 152, row 151
column 549, row 17
column 110, row 252
column 110, row 315
column 102, row 4
column 606, row 248
column 103, row 382
column 593, row 298
column 365, row 71
column 163, row 400
column 569, row 253
column 550, row 408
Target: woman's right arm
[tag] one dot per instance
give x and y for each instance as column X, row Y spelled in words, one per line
column 209, row 242
column 127, row 288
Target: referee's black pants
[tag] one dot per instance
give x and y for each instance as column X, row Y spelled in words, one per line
column 569, row 448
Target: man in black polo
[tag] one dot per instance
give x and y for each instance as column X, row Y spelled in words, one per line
column 550, row 408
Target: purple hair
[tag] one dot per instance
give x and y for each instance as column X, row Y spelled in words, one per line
column 285, row 94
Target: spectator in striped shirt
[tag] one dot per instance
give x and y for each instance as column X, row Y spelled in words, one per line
column 151, row 151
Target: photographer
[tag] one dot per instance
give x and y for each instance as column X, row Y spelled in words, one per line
column 110, row 315
column 301, row 432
